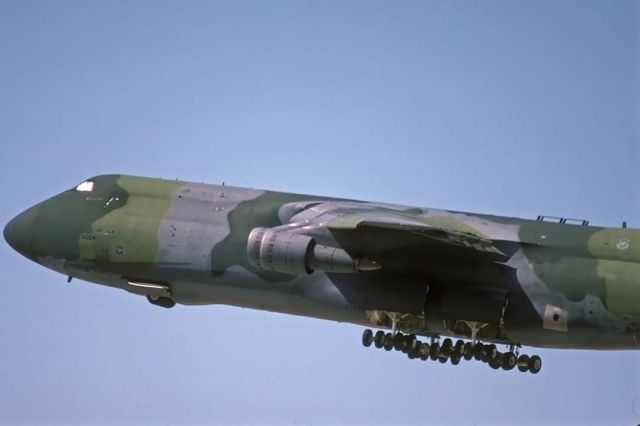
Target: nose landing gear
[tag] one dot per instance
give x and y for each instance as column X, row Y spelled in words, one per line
column 165, row 302
column 448, row 351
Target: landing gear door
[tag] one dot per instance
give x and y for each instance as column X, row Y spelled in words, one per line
column 381, row 291
column 473, row 303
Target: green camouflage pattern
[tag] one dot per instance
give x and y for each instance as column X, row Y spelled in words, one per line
column 436, row 272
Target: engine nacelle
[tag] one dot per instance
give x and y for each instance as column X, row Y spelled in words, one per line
column 280, row 251
column 292, row 253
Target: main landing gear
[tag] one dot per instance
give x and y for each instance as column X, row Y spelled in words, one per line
column 447, row 350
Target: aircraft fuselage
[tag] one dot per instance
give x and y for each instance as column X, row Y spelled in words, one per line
column 519, row 282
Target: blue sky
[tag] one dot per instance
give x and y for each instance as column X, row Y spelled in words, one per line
column 499, row 107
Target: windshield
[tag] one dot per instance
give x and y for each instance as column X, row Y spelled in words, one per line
column 86, row 186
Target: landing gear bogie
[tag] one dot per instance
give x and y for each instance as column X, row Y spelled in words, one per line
column 448, row 351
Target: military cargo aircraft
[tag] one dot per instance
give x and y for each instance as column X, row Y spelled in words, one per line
column 411, row 273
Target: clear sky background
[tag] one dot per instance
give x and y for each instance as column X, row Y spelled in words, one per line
column 499, row 107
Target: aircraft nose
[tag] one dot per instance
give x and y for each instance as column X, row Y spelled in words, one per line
column 18, row 232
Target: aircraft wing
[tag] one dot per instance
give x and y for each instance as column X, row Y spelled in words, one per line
column 400, row 227
column 350, row 237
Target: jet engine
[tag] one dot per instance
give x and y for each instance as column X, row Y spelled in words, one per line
column 294, row 253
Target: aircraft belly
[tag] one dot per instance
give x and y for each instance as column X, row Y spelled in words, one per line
column 314, row 296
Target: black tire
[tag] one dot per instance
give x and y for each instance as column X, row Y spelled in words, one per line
column 478, row 351
column 523, row 363
column 443, row 359
column 388, row 342
column 398, row 342
column 434, row 351
column 446, row 347
column 535, row 364
column 411, row 342
column 378, row 339
column 509, row 361
column 468, row 348
column 468, row 351
column 492, row 352
column 164, row 302
column 418, row 349
column 426, row 349
column 455, row 360
column 367, row 337
column 458, row 348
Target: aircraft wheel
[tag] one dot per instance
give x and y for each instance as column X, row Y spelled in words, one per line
column 165, row 302
column 523, row 363
column 535, row 364
column 388, row 342
column 411, row 342
column 378, row 339
column 442, row 359
column 367, row 337
column 455, row 360
column 468, row 351
column 398, row 342
column 434, row 351
column 509, row 361
column 494, row 364
column 412, row 353
column 447, row 344
column 458, row 349
column 491, row 353
column 478, row 351
column 422, row 350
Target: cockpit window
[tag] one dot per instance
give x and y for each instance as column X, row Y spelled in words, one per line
column 86, row 186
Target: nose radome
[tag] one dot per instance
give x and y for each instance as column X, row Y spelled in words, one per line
column 18, row 232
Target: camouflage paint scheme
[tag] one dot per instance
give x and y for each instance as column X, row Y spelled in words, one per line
column 524, row 282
